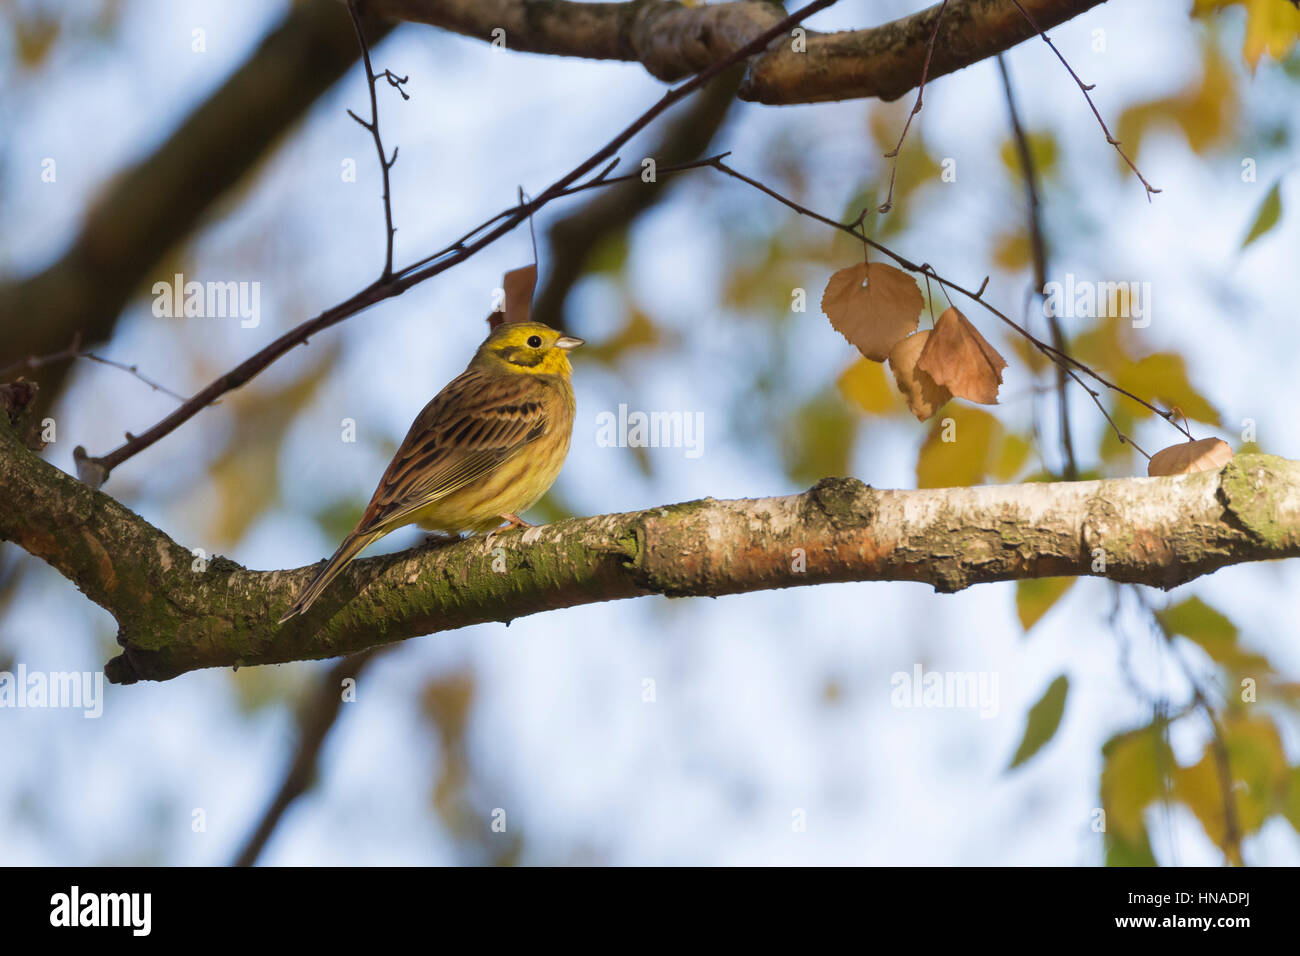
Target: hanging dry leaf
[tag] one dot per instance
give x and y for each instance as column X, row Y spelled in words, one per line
column 1204, row 454
column 874, row 306
column 924, row 395
column 957, row 356
column 518, row 285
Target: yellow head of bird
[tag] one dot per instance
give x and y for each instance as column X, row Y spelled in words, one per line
column 528, row 347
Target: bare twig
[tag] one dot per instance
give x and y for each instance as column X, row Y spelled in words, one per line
column 1054, row 354
column 385, row 164
column 1039, row 248
column 1085, row 87
column 916, row 108
column 73, row 352
column 96, row 470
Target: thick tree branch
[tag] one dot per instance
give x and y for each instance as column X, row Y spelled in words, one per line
column 177, row 613
column 672, row 41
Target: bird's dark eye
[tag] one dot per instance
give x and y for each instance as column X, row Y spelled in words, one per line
column 534, row 341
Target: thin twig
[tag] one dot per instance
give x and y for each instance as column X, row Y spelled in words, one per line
column 916, row 108
column 1056, row 355
column 1085, row 87
column 73, row 352
column 98, row 469
column 385, row 164
column 1039, row 247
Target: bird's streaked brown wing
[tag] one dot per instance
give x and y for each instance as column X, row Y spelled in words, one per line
column 469, row 429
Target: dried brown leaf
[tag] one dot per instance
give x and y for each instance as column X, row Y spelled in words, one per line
column 874, row 306
column 518, row 286
column 957, row 356
column 924, row 395
column 1204, row 454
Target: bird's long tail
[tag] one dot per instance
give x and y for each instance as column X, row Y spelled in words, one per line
column 349, row 549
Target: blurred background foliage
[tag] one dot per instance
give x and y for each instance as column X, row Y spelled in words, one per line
column 686, row 302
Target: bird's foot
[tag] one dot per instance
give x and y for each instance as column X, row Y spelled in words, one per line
column 511, row 523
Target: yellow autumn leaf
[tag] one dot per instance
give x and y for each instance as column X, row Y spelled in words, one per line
column 1112, row 450
column 1162, row 377
column 1036, row 596
column 1205, row 110
column 1259, row 782
column 956, row 452
column 865, row 385
column 1042, row 153
column 1011, row 252
column 34, row 37
column 1132, row 778
column 1010, row 458
column 1271, row 27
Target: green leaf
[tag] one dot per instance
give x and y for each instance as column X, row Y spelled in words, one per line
column 1036, row 596
column 1259, row 784
column 1044, row 718
column 1270, row 211
column 817, row 440
column 1291, row 807
column 1213, row 633
column 1195, row 619
column 1132, row 778
column 1122, row 852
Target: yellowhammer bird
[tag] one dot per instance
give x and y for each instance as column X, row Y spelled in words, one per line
column 486, row 448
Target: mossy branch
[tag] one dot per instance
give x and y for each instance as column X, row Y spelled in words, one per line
column 178, row 613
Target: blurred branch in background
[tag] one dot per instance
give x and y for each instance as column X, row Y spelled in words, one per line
column 573, row 238
column 672, row 41
column 151, row 207
column 1038, row 250
column 178, row 613
column 318, row 712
